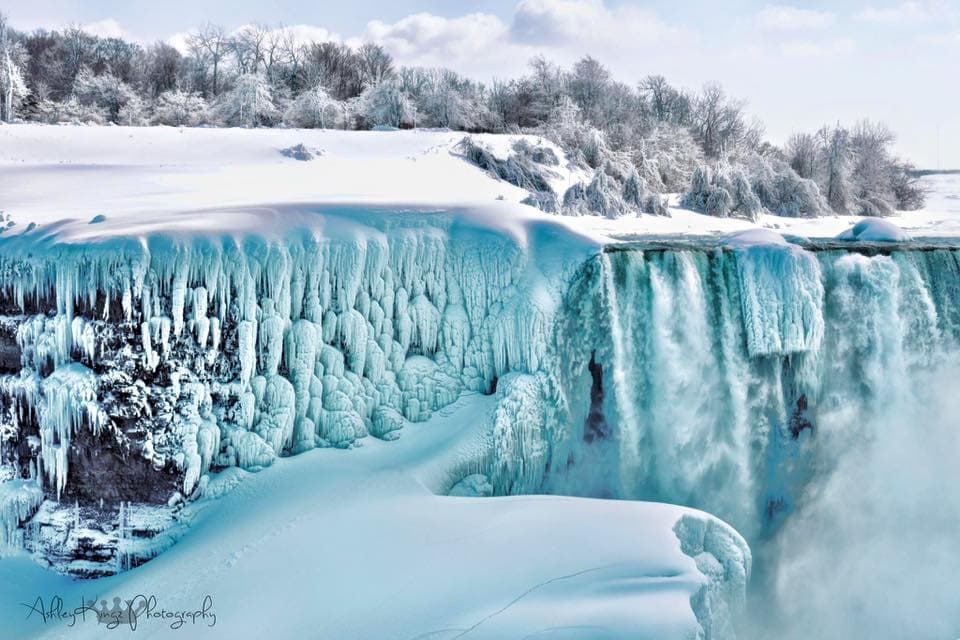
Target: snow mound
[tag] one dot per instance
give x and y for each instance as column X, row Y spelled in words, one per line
column 298, row 152
column 753, row 238
column 875, row 230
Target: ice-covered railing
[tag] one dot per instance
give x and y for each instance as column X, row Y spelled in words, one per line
column 235, row 350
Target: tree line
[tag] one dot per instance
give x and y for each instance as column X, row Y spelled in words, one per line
column 702, row 142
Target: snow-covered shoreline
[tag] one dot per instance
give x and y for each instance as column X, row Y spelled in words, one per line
column 147, row 180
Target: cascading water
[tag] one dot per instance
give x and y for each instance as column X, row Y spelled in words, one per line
column 756, row 382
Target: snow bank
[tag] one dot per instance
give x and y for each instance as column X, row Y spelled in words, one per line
column 874, row 230
column 365, row 531
column 754, row 237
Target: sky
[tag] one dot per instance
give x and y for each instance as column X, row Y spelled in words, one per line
column 798, row 65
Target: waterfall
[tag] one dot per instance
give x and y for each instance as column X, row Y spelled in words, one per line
column 735, row 376
column 622, row 353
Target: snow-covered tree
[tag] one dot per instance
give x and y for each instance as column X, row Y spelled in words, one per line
column 133, row 113
column 180, row 108
column 666, row 157
column 802, row 151
column 249, row 103
column 835, row 168
column 386, row 104
column 375, row 64
column 13, row 88
column 314, row 109
column 104, row 91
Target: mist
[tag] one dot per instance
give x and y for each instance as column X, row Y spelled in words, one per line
column 871, row 550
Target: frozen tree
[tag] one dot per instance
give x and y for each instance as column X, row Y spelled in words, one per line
column 719, row 123
column 906, row 188
column 12, row 85
column 161, row 69
column 247, row 46
column 722, row 193
column 374, row 64
column 312, row 109
column 133, row 113
column 802, row 151
column 249, row 103
column 872, row 163
column 334, row 66
column 667, row 157
column 104, row 91
column 386, row 104
column 180, row 108
column 666, row 104
column 208, row 48
column 588, row 84
column 835, row 168
column 781, row 190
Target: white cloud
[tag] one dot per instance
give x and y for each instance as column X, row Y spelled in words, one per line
column 107, row 28
column 907, row 12
column 571, row 22
column 949, row 38
column 564, row 29
column 817, row 48
column 305, row 33
column 426, row 37
column 784, row 17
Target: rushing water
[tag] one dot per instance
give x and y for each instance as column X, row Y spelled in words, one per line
column 808, row 398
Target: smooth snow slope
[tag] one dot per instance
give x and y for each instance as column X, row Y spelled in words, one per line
column 150, row 179
column 353, row 544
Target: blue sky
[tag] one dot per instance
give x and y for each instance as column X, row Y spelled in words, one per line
column 798, row 64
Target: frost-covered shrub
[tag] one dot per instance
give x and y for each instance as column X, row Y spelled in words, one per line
column 544, row 200
column 133, row 114
column 313, row 109
column 104, row 91
column 874, row 207
column 541, row 154
column 583, row 143
column 180, row 109
column 909, row 195
column 722, row 193
column 70, row 111
column 636, row 194
column 759, row 183
column 386, row 103
column 655, row 205
column 745, row 203
column 781, row 190
column 667, row 157
column 298, row 152
column 601, row 197
column 519, row 169
column 249, row 104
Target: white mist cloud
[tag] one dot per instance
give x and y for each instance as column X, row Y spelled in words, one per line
column 898, row 14
column 107, row 28
column 874, row 551
column 817, row 48
column 787, row 18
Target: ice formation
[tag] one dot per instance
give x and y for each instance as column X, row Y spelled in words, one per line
column 211, row 353
column 717, row 377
